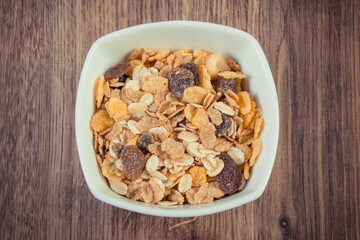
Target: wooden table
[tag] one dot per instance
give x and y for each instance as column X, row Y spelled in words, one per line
column 313, row 48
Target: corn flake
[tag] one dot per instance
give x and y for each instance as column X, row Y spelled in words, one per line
column 161, row 54
column 256, row 147
column 200, row 118
column 116, row 108
column 207, row 136
column 198, row 175
column 101, row 121
column 189, row 112
column 205, row 79
column 195, row 94
column 99, row 94
column 258, row 127
column 244, row 102
column 155, row 84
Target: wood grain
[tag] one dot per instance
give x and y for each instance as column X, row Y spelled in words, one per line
column 313, row 48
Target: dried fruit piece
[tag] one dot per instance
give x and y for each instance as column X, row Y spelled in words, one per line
column 225, row 84
column 195, row 94
column 180, row 79
column 192, row 67
column 116, row 108
column 101, row 121
column 229, row 178
column 224, row 126
column 133, row 161
column 144, row 141
column 123, row 78
column 117, row 71
column 155, row 84
column 216, row 63
column 237, row 76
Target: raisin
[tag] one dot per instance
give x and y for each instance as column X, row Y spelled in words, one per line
column 133, row 161
column 192, row 67
column 224, row 126
column 229, row 178
column 123, row 78
column 225, row 84
column 118, row 149
column 144, row 141
column 183, row 122
column 180, row 79
column 117, row 71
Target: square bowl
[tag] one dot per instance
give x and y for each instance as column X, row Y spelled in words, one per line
column 114, row 47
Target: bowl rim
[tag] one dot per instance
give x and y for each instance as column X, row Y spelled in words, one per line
column 172, row 212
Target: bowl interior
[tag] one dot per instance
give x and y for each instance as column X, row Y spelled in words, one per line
column 113, row 48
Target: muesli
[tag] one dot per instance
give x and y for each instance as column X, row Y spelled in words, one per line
column 175, row 127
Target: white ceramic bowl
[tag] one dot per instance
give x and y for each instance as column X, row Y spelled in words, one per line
column 114, row 47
